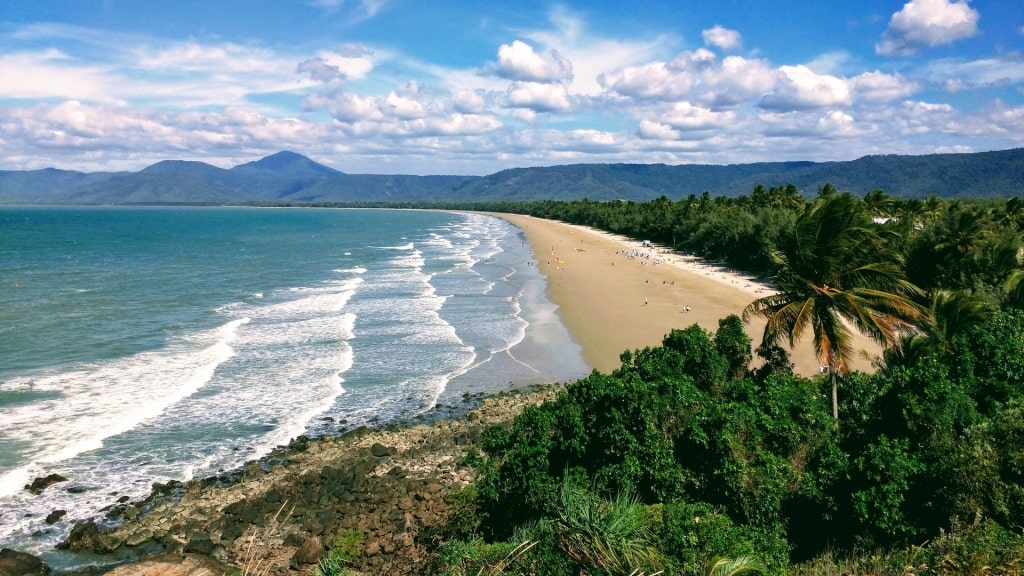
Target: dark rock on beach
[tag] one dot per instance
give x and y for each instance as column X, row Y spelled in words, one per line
column 14, row 563
column 42, row 483
column 55, row 516
column 282, row 513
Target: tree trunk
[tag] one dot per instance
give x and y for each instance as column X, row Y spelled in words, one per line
column 835, row 394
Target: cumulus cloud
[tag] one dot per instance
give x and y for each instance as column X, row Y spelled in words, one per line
column 654, row 130
column 654, row 80
column 696, row 76
column 722, row 38
column 800, row 88
column 518, row 61
column 538, row 97
column 925, row 24
column 319, row 70
column 470, row 101
column 403, row 107
column 591, row 54
column 686, row 116
column 877, row 87
column 353, row 61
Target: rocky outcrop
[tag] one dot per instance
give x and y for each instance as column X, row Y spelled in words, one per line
column 39, row 484
column 14, row 563
column 283, row 513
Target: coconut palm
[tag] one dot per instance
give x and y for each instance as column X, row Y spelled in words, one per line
column 837, row 273
column 1015, row 289
column 950, row 314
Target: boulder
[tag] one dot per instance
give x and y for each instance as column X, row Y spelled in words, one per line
column 54, row 516
column 14, row 563
column 44, row 482
column 87, row 537
column 379, row 450
column 200, row 544
column 310, row 551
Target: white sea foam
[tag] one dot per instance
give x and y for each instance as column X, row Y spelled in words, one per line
column 100, row 401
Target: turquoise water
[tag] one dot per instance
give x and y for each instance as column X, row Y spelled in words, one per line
column 142, row 345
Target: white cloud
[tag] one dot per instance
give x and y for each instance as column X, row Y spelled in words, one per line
column 837, row 123
column 696, row 76
column 653, row 130
column 470, row 101
column 592, row 55
column 722, row 38
column 927, row 23
column 402, row 107
column 686, row 116
column 53, row 74
column 354, row 61
column 319, row 70
column 223, row 58
column 985, row 72
column 877, row 87
column 653, row 80
column 799, row 88
column 524, row 115
column 348, row 107
column 518, row 61
column 538, row 97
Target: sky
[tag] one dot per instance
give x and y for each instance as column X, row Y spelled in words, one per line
column 475, row 87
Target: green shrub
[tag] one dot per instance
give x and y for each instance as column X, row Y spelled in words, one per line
column 604, row 536
column 694, row 535
column 344, row 549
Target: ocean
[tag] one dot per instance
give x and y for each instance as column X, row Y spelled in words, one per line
column 142, row 345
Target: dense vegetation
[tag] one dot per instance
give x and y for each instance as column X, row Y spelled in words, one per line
column 692, row 451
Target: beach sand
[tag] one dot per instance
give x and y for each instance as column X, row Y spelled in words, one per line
column 611, row 303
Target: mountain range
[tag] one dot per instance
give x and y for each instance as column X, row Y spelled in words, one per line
column 287, row 177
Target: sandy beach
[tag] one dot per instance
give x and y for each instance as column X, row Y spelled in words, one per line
column 614, row 294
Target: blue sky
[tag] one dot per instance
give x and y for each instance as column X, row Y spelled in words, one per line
column 470, row 87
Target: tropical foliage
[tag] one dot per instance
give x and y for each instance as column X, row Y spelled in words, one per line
column 692, row 452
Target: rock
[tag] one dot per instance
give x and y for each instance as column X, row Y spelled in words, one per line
column 310, row 552
column 14, row 563
column 139, row 537
column 86, row 537
column 54, row 516
column 167, row 489
column 44, row 482
column 379, row 450
column 388, row 484
column 200, row 544
column 253, row 470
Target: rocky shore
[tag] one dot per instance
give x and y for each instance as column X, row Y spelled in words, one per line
column 280, row 514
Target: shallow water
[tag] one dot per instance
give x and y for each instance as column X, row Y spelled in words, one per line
column 143, row 345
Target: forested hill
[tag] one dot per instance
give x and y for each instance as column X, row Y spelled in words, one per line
column 291, row 177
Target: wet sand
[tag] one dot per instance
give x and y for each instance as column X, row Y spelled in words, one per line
column 611, row 302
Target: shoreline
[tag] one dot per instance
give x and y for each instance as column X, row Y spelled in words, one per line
column 610, row 299
column 280, row 513
column 615, row 294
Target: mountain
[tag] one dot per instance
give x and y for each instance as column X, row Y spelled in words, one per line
column 43, row 186
column 286, row 165
column 290, row 177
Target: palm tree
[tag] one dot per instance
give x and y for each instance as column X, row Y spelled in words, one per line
column 950, row 315
column 837, row 273
column 1015, row 289
column 879, row 204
